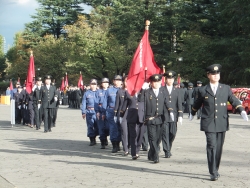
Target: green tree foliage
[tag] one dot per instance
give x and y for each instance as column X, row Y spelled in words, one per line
column 102, row 43
column 3, row 64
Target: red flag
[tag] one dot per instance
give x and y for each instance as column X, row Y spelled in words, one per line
column 80, row 82
column 66, row 81
column 143, row 65
column 31, row 74
column 62, row 85
column 11, row 85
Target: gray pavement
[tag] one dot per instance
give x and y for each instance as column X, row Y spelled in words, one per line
column 62, row 158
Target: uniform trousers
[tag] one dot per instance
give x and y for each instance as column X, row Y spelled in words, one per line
column 31, row 116
column 38, row 116
column 136, row 132
column 54, row 115
column 189, row 108
column 114, row 127
column 168, row 136
column 103, row 128
column 48, row 116
column 91, row 123
column 215, row 143
column 145, row 139
column 125, row 132
column 154, row 138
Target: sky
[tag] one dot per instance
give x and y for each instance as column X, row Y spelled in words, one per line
column 14, row 14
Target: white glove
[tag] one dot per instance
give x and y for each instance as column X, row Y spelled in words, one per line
column 55, row 98
column 24, row 106
column 191, row 117
column 19, row 107
column 120, row 119
column 145, row 85
column 115, row 119
column 39, row 106
column 180, row 120
column 244, row 115
column 172, row 116
column 60, row 102
column 34, row 87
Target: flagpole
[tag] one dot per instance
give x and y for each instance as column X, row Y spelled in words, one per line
column 147, row 24
column 163, row 68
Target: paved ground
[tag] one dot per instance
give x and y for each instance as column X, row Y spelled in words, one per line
column 62, row 158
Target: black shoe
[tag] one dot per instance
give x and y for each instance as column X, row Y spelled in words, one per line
column 114, row 150
column 156, row 161
column 218, row 175
column 125, row 154
column 213, row 178
column 50, row 130
column 106, row 142
column 37, row 128
column 92, row 141
column 102, row 144
column 167, row 155
column 135, row 157
column 144, row 149
column 45, row 131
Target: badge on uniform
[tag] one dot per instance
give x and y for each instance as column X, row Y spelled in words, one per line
column 206, row 97
column 150, row 97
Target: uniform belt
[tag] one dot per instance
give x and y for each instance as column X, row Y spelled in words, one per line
column 100, row 104
column 111, row 107
column 90, row 108
column 151, row 118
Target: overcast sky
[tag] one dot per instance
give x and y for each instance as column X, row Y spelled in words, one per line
column 14, row 14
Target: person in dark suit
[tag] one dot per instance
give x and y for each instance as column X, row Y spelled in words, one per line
column 195, row 96
column 189, row 98
column 170, row 126
column 18, row 97
column 48, row 98
column 135, row 118
column 214, row 117
column 155, row 99
column 120, row 96
column 37, row 95
column 24, row 111
column 30, row 110
column 57, row 103
column 183, row 93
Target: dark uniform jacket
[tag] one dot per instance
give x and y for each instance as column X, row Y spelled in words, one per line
column 189, row 97
column 195, row 92
column 120, row 95
column 18, row 97
column 37, row 95
column 154, row 106
column 176, row 102
column 135, row 109
column 48, row 97
column 29, row 100
column 214, row 116
column 183, row 93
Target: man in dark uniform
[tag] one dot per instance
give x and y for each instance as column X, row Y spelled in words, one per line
column 49, row 97
column 183, row 93
column 18, row 97
column 170, row 126
column 189, row 98
column 155, row 99
column 195, row 96
column 57, row 103
column 37, row 94
column 214, row 117
column 24, row 111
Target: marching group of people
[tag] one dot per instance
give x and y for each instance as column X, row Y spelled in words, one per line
column 149, row 116
column 152, row 114
column 40, row 105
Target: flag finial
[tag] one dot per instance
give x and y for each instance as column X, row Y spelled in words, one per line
column 80, row 72
column 31, row 53
column 147, row 24
column 66, row 73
